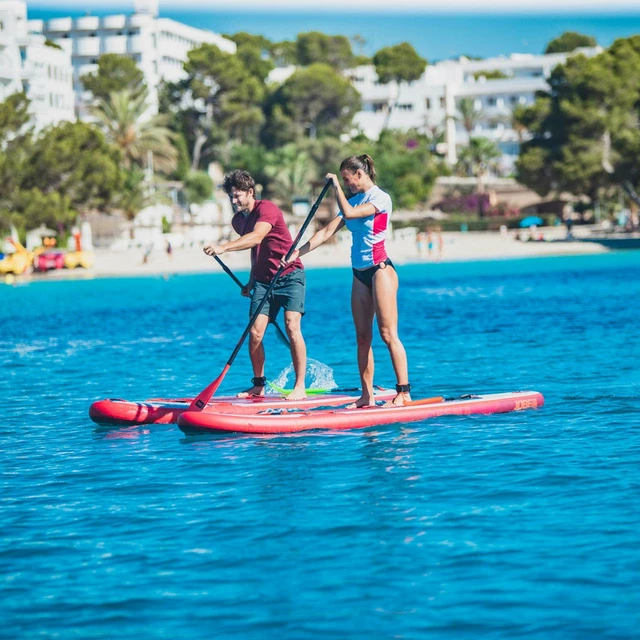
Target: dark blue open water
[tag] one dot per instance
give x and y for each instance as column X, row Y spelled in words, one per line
column 516, row 525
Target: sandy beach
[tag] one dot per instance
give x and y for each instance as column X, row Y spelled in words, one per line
column 402, row 248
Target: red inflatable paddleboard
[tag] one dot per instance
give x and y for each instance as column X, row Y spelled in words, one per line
column 286, row 420
column 115, row 411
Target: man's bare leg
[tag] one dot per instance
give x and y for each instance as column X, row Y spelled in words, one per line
column 298, row 353
column 256, row 353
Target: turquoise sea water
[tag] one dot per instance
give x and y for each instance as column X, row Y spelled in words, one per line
column 503, row 526
column 435, row 36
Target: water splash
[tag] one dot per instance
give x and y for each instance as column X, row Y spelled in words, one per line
column 317, row 376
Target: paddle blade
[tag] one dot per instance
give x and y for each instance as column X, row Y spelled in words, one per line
column 201, row 400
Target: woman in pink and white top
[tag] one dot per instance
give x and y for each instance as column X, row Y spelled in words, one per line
column 375, row 281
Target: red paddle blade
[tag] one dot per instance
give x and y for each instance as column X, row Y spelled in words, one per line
column 201, row 400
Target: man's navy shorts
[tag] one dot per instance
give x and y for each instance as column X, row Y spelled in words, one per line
column 288, row 294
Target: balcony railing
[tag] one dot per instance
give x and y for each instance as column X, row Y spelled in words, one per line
column 115, row 44
column 114, row 22
column 87, row 23
column 87, row 47
column 59, row 24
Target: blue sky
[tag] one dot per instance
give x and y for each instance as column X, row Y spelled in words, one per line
column 484, row 29
column 423, row 6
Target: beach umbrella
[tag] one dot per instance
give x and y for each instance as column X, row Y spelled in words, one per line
column 530, row 221
column 44, row 231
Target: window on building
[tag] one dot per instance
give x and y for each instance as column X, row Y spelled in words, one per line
column 93, row 35
column 513, row 99
column 442, row 103
column 405, row 107
column 428, row 104
column 491, row 102
column 1, row 25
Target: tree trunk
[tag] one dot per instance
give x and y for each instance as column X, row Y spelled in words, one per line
column 201, row 138
column 390, row 107
column 628, row 187
column 606, row 152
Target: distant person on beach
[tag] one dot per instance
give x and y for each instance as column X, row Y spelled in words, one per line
column 420, row 243
column 262, row 228
column 375, row 281
column 169, row 250
column 147, row 253
column 569, row 224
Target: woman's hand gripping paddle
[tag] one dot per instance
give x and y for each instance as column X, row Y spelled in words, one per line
column 200, row 401
column 228, row 271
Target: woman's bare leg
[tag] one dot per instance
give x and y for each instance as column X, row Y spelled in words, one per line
column 385, row 302
column 362, row 311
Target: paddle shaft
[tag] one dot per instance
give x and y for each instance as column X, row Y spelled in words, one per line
column 228, row 271
column 200, row 401
column 233, row 276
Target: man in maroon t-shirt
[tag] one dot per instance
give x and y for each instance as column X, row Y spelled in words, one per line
column 262, row 229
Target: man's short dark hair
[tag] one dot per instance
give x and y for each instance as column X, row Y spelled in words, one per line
column 239, row 179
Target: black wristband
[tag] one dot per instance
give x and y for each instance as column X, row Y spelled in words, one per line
column 403, row 388
column 259, row 382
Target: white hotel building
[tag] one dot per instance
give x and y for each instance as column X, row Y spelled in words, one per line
column 430, row 103
column 27, row 64
column 159, row 46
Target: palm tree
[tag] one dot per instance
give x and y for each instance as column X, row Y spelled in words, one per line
column 135, row 195
column 291, row 171
column 479, row 158
column 468, row 116
column 518, row 121
column 123, row 118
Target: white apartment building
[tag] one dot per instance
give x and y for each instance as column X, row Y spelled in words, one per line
column 430, row 103
column 27, row 64
column 158, row 45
